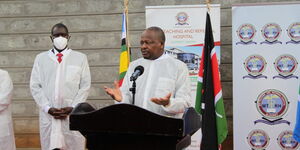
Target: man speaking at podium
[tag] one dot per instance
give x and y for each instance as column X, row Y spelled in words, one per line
column 163, row 86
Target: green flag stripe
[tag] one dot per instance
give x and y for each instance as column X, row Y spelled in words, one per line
column 221, row 122
column 122, row 75
column 123, row 48
column 198, row 97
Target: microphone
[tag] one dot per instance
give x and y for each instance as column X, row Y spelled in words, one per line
column 139, row 70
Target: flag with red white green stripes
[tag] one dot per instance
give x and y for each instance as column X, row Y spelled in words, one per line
column 125, row 57
column 209, row 100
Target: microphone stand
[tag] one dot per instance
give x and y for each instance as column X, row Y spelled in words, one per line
column 133, row 91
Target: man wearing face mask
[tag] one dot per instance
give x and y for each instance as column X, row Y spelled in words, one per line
column 164, row 87
column 60, row 79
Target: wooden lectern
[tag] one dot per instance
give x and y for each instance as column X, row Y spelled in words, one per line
column 129, row 127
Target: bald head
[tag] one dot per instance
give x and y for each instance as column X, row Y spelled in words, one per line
column 152, row 43
column 159, row 33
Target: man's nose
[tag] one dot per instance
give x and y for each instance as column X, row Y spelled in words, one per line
column 143, row 46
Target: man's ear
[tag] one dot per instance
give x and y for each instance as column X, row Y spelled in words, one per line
column 162, row 45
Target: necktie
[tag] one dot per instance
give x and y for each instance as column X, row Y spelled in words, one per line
column 59, row 57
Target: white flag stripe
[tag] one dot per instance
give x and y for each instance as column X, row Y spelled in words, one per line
column 213, row 51
column 200, row 79
column 218, row 97
column 218, row 115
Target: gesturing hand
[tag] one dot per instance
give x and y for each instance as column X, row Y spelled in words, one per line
column 115, row 92
column 162, row 101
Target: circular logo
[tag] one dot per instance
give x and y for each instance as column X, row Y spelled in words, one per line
column 285, row 64
column 182, row 18
column 255, row 65
column 272, row 104
column 286, row 141
column 294, row 31
column 246, row 32
column 271, row 32
column 258, row 139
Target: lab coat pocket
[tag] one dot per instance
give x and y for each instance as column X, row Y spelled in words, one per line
column 4, row 129
column 73, row 74
column 164, row 87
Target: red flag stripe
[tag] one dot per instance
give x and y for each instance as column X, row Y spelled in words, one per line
column 215, row 73
column 215, row 43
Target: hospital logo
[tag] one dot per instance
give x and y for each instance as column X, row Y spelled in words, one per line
column 271, row 32
column 255, row 65
column 246, row 33
column 258, row 139
column 294, row 33
column 182, row 18
column 285, row 65
column 286, row 141
column 272, row 105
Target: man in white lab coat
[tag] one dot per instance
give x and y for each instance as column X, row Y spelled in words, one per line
column 7, row 140
column 60, row 79
column 164, row 87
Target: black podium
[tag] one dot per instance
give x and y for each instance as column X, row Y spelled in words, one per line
column 129, row 127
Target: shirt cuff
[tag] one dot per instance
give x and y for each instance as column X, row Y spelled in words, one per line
column 46, row 109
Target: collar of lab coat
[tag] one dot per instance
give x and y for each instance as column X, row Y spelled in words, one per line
column 52, row 54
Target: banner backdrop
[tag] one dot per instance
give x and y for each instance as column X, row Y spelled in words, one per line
column 184, row 27
column 266, row 52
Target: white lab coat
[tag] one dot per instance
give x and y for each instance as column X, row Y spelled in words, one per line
column 161, row 76
column 59, row 85
column 7, row 140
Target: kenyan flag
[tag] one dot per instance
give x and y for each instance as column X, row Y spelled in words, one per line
column 209, row 100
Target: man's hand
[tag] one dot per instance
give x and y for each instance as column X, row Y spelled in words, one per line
column 162, row 101
column 115, row 92
column 67, row 110
column 60, row 113
column 56, row 113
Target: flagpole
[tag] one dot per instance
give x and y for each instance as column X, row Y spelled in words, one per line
column 127, row 31
column 208, row 5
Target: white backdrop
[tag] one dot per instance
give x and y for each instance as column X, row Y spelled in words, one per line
column 261, row 43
